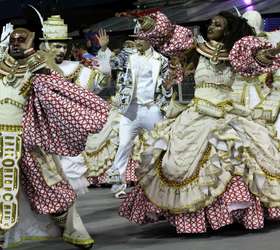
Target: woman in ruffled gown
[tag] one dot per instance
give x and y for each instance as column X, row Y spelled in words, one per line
column 212, row 165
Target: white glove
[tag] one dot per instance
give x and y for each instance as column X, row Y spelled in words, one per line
column 5, row 36
column 200, row 39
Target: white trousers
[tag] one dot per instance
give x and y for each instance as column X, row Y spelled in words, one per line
column 137, row 117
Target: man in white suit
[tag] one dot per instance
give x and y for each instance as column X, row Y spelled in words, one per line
column 143, row 94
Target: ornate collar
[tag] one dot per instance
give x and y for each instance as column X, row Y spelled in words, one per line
column 17, row 73
column 213, row 50
column 32, row 63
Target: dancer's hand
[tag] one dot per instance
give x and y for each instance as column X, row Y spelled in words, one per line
column 5, row 35
column 170, row 79
column 266, row 56
column 103, row 39
column 175, row 69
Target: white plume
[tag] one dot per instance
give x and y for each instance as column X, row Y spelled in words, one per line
column 237, row 11
column 42, row 23
column 38, row 13
column 200, row 39
column 137, row 27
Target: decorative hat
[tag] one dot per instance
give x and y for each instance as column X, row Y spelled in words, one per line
column 55, row 29
column 169, row 39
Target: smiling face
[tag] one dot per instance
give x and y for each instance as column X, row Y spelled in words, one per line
column 142, row 45
column 59, row 49
column 217, row 28
column 20, row 41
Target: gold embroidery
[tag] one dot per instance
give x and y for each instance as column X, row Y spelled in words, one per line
column 224, row 105
column 10, row 128
column 189, row 180
column 213, row 85
column 213, row 50
column 74, row 76
column 26, row 87
column 12, row 102
column 10, row 149
column 94, row 153
column 33, row 63
column 198, row 204
column 267, row 173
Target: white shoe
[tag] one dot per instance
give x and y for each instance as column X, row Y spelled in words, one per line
column 120, row 195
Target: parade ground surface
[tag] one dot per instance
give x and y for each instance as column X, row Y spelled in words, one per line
column 99, row 211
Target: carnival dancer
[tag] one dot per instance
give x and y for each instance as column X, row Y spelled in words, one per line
column 212, row 165
column 141, row 100
column 251, row 91
column 143, row 93
column 267, row 85
column 56, row 42
column 42, row 115
column 101, row 149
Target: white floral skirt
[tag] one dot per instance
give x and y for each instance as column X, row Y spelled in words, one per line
column 192, row 161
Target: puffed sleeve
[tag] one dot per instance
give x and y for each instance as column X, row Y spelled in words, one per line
column 59, row 116
column 243, row 57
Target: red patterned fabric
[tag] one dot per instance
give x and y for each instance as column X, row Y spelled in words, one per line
column 274, row 213
column 169, row 39
column 242, row 57
column 58, row 118
column 97, row 180
column 130, row 174
column 163, row 28
column 43, row 198
column 137, row 208
column 92, row 180
column 60, row 115
column 179, row 74
column 180, row 40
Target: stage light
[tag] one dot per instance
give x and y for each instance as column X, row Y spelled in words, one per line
column 250, row 8
column 248, row 2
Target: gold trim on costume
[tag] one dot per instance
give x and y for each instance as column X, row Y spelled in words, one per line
column 70, row 239
column 224, row 105
column 31, row 238
column 212, row 85
column 11, row 68
column 267, row 173
column 10, row 128
column 91, row 79
column 187, row 181
column 12, row 102
column 10, row 153
column 213, row 50
column 74, row 75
